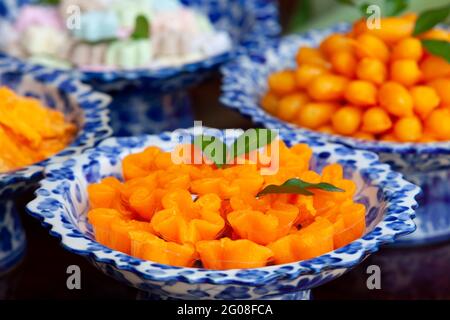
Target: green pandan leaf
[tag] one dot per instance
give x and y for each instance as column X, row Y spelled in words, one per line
column 395, row 7
column 347, row 2
column 428, row 19
column 438, row 48
column 388, row 9
column 49, row 2
column 250, row 140
column 218, row 152
column 298, row 186
column 214, row 149
column 141, row 28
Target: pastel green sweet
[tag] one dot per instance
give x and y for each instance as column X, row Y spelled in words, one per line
column 129, row 54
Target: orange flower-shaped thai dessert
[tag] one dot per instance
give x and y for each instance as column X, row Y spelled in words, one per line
column 184, row 221
column 232, row 254
column 223, row 217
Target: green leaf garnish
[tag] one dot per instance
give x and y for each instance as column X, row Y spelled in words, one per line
column 363, row 8
column 298, row 186
column 347, row 2
column 218, row 152
column 439, row 48
column 250, row 140
column 49, row 2
column 394, row 7
column 428, row 19
column 388, row 7
column 141, row 28
column 214, row 149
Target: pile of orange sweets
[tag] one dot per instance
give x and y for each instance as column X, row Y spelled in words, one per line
column 29, row 131
column 369, row 83
column 198, row 215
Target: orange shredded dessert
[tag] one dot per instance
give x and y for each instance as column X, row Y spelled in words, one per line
column 29, row 131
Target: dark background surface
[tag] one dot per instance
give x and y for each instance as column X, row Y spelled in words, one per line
column 406, row 273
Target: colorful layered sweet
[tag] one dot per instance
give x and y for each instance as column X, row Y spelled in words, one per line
column 225, row 217
column 114, row 34
column 377, row 84
column 29, row 131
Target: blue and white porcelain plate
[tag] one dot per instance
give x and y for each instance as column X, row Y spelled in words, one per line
column 78, row 102
column 152, row 101
column 62, row 203
column 425, row 164
column 249, row 23
column 81, row 105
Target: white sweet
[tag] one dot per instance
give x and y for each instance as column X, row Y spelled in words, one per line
column 168, row 41
column 173, row 32
column 43, row 40
column 216, row 43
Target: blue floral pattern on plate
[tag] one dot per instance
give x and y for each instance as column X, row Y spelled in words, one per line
column 80, row 104
column 392, row 204
column 425, row 164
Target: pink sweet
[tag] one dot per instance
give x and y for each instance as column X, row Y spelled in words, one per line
column 31, row 15
column 180, row 20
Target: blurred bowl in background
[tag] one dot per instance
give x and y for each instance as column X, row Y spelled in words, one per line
column 424, row 164
column 87, row 109
column 151, row 101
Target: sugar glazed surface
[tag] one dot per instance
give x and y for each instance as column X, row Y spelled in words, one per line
column 369, row 84
column 29, row 131
column 199, row 215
